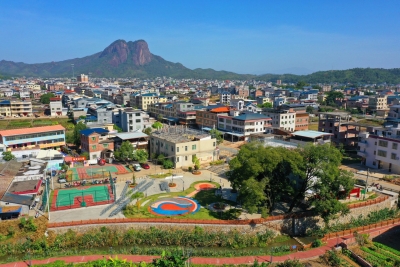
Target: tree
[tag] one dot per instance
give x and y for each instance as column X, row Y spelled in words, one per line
column 7, row 156
column 160, row 159
column 45, row 98
column 147, row 131
column 196, row 162
column 217, row 135
column 85, row 154
column 168, row 164
column 77, row 133
column 265, row 105
column 332, row 96
column 309, row 109
column 69, row 138
column 160, row 117
column 301, row 84
column 157, row 125
column 140, row 155
column 124, row 152
column 115, row 127
column 171, row 259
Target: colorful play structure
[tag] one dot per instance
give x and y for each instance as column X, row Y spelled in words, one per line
column 174, row 206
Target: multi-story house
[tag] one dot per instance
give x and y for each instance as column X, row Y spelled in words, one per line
column 336, row 123
column 302, row 116
column 96, row 142
column 36, row 94
column 379, row 148
column 146, row 99
column 208, row 118
column 5, row 108
column 56, row 108
column 241, row 126
column 180, row 144
column 21, row 108
column 281, row 118
column 43, row 137
column 24, row 93
column 131, row 120
column 377, row 102
column 225, row 98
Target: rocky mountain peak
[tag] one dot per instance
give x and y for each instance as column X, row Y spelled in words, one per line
column 140, row 52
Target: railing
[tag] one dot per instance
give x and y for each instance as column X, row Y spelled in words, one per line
column 211, row 222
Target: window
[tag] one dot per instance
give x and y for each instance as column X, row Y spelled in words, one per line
column 213, row 143
column 193, row 147
column 93, row 138
column 138, row 120
column 186, row 158
column 393, row 156
column 394, row 145
column 105, row 145
column 94, row 147
column 177, row 149
column 185, row 148
column 383, row 143
column 94, row 157
column 172, row 148
column 382, row 153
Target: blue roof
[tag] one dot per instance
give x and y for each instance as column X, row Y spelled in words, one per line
column 150, row 94
column 87, row 132
column 6, row 102
column 251, row 116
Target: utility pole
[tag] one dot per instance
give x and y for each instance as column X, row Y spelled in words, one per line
column 366, row 184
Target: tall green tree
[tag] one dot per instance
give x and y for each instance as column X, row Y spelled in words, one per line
column 77, row 133
column 140, row 155
column 217, row 135
column 124, row 152
column 332, row 96
column 45, row 98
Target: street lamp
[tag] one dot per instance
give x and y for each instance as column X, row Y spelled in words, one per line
column 111, row 252
column 183, row 189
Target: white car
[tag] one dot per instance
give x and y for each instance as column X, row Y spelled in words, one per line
column 137, row 167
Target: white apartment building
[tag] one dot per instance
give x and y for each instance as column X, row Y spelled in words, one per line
column 56, row 108
column 132, row 120
column 225, row 98
column 380, row 148
column 282, row 119
column 243, row 125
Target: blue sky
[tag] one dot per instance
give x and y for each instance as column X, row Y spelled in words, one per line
column 241, row 36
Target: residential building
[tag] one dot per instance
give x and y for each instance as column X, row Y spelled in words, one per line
column 281, row 118
column 377, row 102
column 82, row 78
column 43, row 137
column 208, row 118
column 21, row 108
column 379, row 148
column 225, row 98
column 180, row 144
column 146, row 99
column 138, row 140
column 96, row 143
column 326, row 88
column 310, row 137
column 5, row 108
column 132, row 120
column 302, row 116
column 336, row 123
column 56, row 108
column 241, row 126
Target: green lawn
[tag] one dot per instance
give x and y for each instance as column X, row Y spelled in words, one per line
column 313, row 126
column 204, row 198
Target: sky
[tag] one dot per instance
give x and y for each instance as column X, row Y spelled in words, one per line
column 254, row 37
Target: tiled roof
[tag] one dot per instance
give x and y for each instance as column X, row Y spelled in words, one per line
column 220, row 109
column 32, row 130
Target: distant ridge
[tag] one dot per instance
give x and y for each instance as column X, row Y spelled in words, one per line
column 134, row 59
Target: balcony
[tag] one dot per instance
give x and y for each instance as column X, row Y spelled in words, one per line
column 362, row 154
column 51, row 145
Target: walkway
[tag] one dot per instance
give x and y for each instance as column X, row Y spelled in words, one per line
column 300, row 255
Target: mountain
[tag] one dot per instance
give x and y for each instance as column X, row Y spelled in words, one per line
column 134, row 59
column 119, row 59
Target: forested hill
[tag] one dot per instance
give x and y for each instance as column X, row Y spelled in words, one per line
column 354, row 76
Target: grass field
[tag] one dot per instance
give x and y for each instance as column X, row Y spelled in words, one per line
column 204, row 198
column 35, row 122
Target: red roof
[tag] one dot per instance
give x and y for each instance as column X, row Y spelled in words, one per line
column 220, row 109
column 32, row 130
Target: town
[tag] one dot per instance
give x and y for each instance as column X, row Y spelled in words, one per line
column 88, row 150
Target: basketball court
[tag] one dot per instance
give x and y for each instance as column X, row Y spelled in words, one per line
column 82, row 196
column 94, row 172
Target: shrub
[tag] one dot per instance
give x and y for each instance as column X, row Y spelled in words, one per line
column 290, row 263
column 317, row 243
column 190, row 169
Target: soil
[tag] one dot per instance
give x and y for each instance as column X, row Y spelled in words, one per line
column 196, row 172
column 172, row 184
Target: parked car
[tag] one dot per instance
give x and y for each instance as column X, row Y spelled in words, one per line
column 145, row 166
column 137, row 167
column 360, row 182
column 62, row 180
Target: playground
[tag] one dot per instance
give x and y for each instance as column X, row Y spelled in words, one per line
column 174, row 206
column 94, row 172
column 84, row 196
